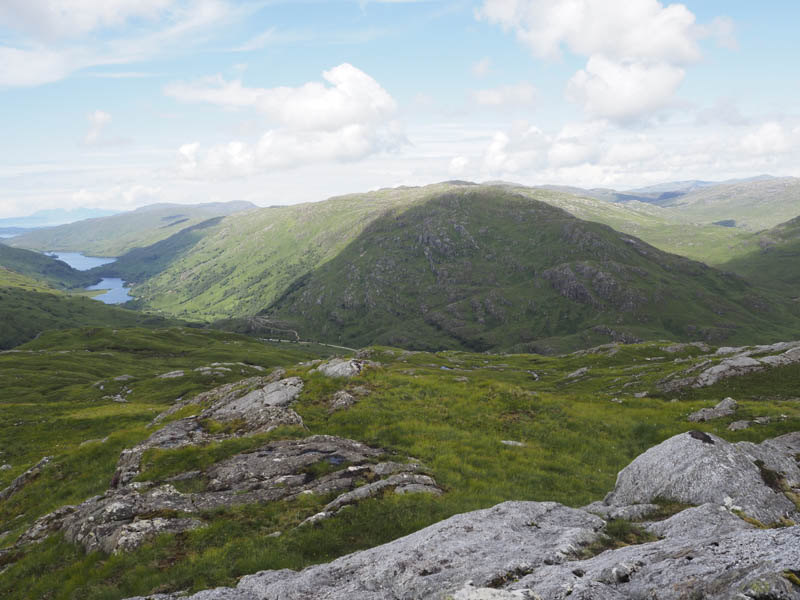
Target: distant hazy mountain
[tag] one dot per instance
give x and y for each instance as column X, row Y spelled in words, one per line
column 753, row 204
column 691, row 185
column 119, row 233
column 56, row 216
column 662, row 194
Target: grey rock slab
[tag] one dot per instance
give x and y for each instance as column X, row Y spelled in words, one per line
column 470, row 592
column 277, row 394
column 705, row 521
column 19, row 482
column 729, row 367
column 481, row 546
column 344, row 367
column 171, row 375
column 341, row 400
column 714, row 568
column 725, row 408
column 686, row 469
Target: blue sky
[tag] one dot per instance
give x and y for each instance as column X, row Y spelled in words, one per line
column 122, row 103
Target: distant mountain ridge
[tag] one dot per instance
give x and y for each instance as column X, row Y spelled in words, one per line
column 119, row 233
column 56, row 216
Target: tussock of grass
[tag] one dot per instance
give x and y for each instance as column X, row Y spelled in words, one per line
column 618, row 533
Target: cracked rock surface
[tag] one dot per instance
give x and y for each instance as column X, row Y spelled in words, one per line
column 537, row 550
column 131, row 511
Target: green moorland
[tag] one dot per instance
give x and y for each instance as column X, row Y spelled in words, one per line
column 238, row 266
column 774, row 265
column 485, row 268
column 117, row 234
column 450, row 410
column 29, row 307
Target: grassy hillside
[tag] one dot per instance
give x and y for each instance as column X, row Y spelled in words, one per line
column 236, row 267
column 450, row 410
column 776, row 263
column 245, row 262
column 117, row 234
column 666, row 229
column 47, row 270
column 141, row 264
column 484, row 268
column 29, row 307
column 753, row 205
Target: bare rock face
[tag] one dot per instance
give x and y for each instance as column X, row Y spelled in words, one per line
column 344, row 367
column 532, row 550
column 740, row 361
column 24, row 478
column 715, row 568
column 693, row 471
column 484, row 546
column 724, row 409
column 257, row 404
column 123, row 517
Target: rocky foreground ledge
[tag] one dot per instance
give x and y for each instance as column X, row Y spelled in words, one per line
column 737, row 540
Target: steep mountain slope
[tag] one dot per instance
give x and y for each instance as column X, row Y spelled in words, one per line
column 117, row 234
column 776, row 263
column 47, row 270
column 485, row 268
column 753, row 205
column 141, row 264
column 29, row 307
column 241, row 265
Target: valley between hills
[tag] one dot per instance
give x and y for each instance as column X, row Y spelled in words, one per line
column 466, row 391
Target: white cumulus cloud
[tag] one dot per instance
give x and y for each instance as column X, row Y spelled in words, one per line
column 636, row 50
column 345, row 120
column 623, row 90
column 770, row 138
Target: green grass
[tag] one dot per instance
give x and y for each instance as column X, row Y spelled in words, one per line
column 452, row 420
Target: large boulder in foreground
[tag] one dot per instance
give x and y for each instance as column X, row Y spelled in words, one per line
column 697, row 468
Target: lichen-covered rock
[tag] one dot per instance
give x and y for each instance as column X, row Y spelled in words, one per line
column 486, row 547
column 693, row 471
column 725, row 408
column 121, row 519
column 344, row 367
column 24, row 478
column 714, row 568
column 342, row 400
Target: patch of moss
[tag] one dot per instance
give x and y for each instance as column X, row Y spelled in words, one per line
column 618, row 533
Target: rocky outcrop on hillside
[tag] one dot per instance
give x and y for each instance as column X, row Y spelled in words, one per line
column 132, row 511
column 545, row 551
column 735, row 362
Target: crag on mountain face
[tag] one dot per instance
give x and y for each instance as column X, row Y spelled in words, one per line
column 484, row 268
